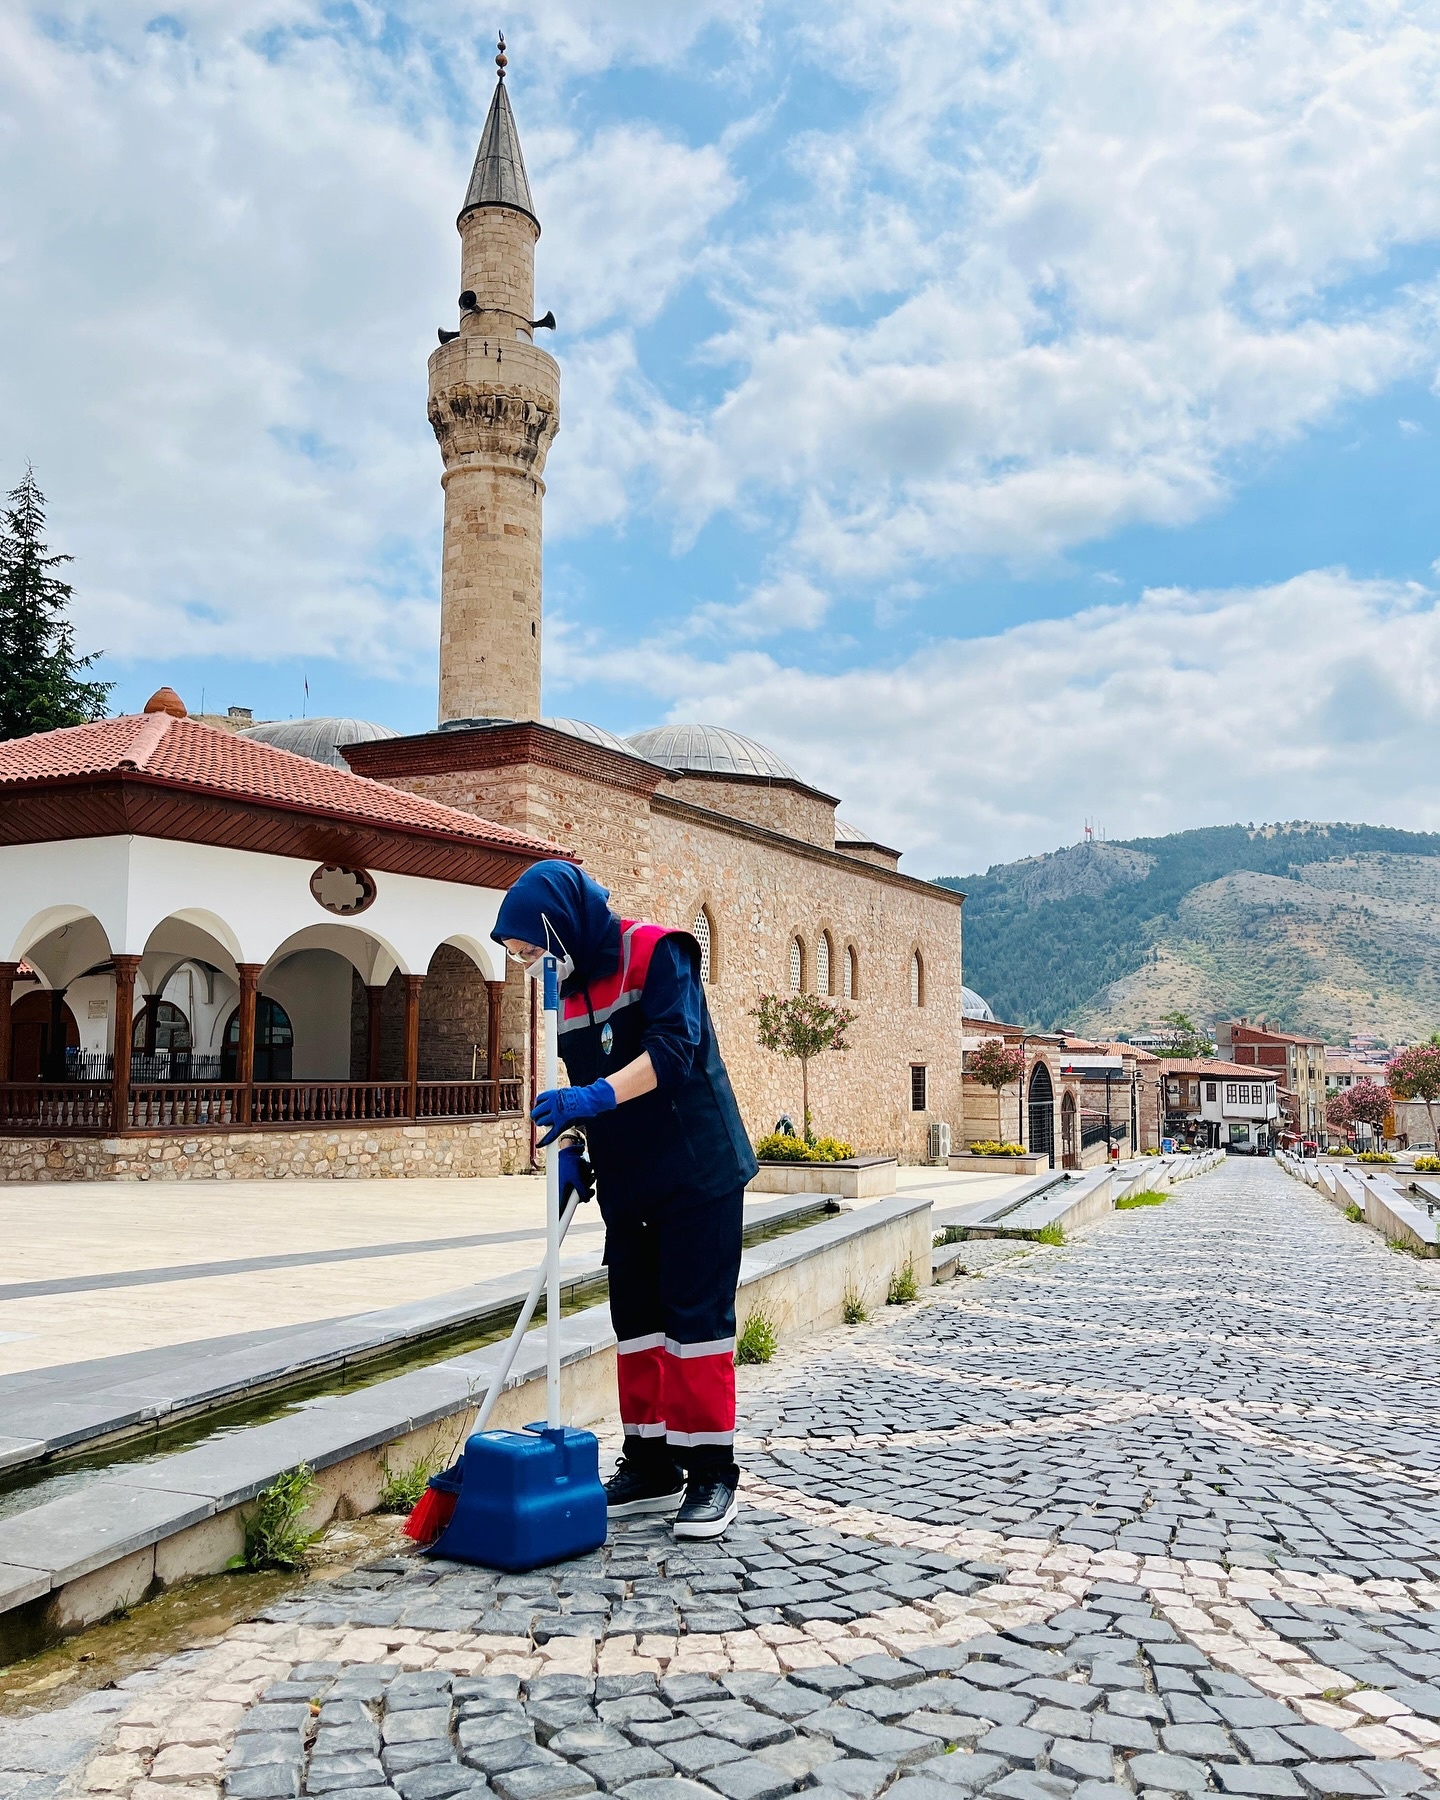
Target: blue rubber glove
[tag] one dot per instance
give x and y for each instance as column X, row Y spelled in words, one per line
column 558, row 1108
column 576, row 1174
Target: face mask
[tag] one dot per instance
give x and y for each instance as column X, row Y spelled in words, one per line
column 564, row 969
column 554, row 946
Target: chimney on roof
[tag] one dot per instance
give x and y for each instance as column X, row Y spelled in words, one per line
column 166, row 700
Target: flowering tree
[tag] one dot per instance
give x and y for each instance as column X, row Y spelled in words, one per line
column 801, row 1026
column 1415, row 1075
column 1337, row 1111
column 1369, row 1104
column 994, row 1065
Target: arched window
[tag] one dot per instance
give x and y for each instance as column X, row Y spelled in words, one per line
column 797, row 965
column 822, row 963
column 701, row 933
column 274, row 1043
column 917, row 980
column 852, row 973
column 161, row 1026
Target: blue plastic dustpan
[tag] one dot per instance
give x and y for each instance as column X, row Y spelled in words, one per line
column 527, row 1498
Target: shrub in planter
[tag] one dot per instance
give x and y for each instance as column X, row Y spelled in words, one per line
column 1375, row 1156
column 1427, row 1165
column 781, row 1146
column 989, row 1147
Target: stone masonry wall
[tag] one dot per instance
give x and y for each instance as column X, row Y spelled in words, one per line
column 665, row 862
column 384, row 1152
column 490, row 584
column 497, row 261
column 759, row 897
column 609, row 827
column 779, row 806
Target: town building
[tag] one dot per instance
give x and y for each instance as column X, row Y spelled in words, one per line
column 1214, row 1104
column 1075, row 1100
column 1299, row 1066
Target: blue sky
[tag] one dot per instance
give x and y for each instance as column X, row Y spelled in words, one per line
column 1015, row 415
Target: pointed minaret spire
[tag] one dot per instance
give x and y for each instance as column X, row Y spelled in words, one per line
column 499, row 178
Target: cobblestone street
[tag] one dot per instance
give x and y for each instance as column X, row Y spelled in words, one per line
column 1154, row 1513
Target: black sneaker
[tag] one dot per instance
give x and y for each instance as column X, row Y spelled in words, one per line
column 709, row 1507
column 635, row 1488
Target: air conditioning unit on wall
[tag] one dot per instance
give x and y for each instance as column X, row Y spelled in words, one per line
column 939, row 1141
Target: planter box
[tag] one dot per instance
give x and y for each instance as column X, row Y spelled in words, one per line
column 857, row 1178
column 1027, row 1164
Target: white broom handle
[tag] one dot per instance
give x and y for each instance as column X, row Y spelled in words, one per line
column 522, row 1325
column 552, row 1205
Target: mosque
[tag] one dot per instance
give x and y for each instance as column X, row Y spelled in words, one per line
column 388, row 1037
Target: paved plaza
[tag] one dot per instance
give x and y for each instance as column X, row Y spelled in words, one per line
column 1157, row 1512
column 107, row 1268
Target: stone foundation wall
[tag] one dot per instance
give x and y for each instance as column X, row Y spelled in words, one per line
column 381, row 1152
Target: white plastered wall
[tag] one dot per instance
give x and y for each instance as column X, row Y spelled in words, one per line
column 71, row 905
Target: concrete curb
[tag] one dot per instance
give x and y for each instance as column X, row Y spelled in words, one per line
column 80, row 1557
column 1070, row 1199
column 1400, row 1211
column 126, row 1397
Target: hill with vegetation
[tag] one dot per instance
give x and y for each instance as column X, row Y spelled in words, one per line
column 1332, row 929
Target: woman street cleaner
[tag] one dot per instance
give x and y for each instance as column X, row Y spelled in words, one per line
column 671, row 1159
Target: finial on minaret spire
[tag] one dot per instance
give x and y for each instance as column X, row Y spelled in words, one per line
column 501, row 59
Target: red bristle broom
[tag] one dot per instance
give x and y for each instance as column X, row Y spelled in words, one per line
column 433, row 1510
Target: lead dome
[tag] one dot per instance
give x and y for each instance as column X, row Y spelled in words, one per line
column 590, row 734
column 709, row 750
column 322, row 740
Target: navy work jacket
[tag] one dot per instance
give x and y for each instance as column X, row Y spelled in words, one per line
column 686, row 1136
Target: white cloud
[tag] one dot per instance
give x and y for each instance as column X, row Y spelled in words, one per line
column 225, row 244
column 789, row 603
column 1112, row 236
column 1315, row 698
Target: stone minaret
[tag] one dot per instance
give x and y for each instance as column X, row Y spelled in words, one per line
column 495, row 407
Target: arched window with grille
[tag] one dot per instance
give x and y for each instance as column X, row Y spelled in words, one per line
column 704, row 936
column 822, row 963
column 852, row 973
column 917, row 980
column 797, row 966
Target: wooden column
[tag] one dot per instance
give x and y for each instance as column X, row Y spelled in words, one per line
column 8, row 972
column 496, row 992
column 55, row 1053
column 126, row 969
column 374, row 1001
column 249, row 974
column 413, row 985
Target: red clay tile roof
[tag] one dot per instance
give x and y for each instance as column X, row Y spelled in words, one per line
column 182, row 753
column 1212, row 1067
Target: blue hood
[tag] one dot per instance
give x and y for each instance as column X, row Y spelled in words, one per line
column 576, row 909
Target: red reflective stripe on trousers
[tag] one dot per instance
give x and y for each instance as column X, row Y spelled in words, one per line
column 699, row 1393
column 640, row 1377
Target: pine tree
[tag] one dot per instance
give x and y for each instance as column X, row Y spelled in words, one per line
column 42, row 680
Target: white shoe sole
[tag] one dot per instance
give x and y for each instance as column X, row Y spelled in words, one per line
column 709, row 1528
column 657, row 1503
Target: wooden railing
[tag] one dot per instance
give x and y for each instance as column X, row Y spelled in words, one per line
column 84, row 1107
column 63, row 1106
column 325, row 1102
column 466, row 1099
column 177, row 1105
